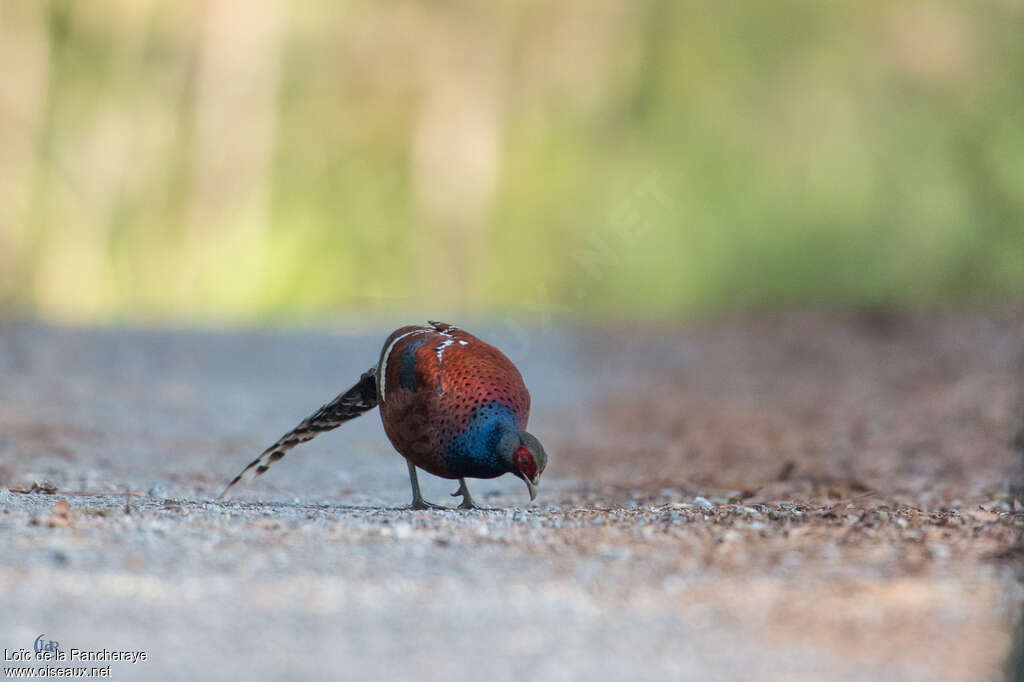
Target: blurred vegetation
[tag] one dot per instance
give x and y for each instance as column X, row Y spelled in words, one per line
column 276, row 160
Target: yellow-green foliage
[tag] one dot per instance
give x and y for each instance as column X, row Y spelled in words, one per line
column 280, row 159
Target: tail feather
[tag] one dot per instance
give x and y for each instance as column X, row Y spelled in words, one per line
column 349, row 405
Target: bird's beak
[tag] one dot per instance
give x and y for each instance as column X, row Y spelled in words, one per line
column 532, row 487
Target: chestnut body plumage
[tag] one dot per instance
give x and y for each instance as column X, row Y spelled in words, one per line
column 450, row 403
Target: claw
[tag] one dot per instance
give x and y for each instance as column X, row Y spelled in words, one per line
column 467, row 500
column 423, row 504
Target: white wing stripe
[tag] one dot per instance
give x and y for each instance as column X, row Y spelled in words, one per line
column 382, row 375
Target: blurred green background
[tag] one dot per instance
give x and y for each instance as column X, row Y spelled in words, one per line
column 274, row 161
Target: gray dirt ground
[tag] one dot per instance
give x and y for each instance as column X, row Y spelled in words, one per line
column 796, row 497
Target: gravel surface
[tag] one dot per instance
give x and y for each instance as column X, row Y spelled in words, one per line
column 800, row 497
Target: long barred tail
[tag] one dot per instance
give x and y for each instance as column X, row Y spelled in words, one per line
column 349, row 405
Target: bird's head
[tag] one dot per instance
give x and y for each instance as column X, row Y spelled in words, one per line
column 526, row 458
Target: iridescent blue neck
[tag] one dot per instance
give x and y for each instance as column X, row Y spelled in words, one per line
column 478, row 451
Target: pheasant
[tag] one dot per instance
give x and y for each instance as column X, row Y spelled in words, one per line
column 450, row 403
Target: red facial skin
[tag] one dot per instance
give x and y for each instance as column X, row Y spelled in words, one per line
column 524, row 462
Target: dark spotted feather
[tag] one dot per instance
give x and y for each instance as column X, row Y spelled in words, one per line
column 355, row 401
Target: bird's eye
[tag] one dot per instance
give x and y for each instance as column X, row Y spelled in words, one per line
column 524, row 462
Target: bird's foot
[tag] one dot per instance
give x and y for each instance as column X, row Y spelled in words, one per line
column 467, row 500
column 423, row 504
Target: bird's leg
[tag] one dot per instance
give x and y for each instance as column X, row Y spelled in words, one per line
column 417, row 499
column 467, row 500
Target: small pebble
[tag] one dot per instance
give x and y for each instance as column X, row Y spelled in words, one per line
column 703, row 503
